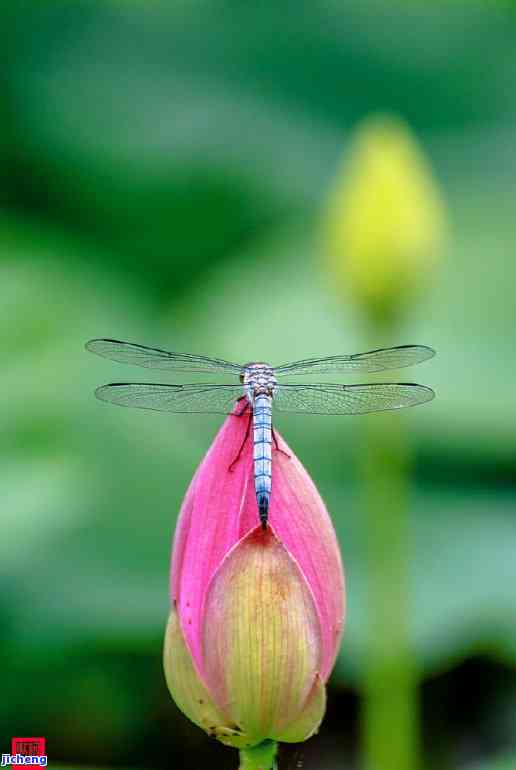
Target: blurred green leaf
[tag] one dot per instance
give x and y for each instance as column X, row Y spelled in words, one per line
column 463, row 574
column 174, row 135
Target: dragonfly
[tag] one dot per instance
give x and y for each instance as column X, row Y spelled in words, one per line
column 259, row 386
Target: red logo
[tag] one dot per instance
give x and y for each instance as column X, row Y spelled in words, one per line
column 28, row 747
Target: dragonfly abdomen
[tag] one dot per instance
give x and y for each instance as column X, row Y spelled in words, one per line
column 262, row 453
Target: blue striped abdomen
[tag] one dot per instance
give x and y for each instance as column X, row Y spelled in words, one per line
column 262, row 453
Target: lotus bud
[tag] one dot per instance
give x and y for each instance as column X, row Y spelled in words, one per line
column 384, row 225
column 257, row 615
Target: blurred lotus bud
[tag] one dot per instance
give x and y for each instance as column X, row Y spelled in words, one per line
column 384, row 225
column 256, row 614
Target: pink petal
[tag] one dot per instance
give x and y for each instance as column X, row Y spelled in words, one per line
column 303, row 524
column 213, row 518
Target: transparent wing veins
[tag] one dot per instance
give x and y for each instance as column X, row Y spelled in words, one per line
column 157, row 358
column 382, row 359
column 350, row 399
column 200, row 398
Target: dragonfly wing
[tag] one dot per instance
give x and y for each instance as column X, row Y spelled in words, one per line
column 379, row 360
column 156, row 358
column 204, row 399
column 350, row 399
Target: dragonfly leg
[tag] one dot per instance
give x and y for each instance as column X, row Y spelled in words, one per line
column 237, row 458
column 276, row 445
column 244, row 408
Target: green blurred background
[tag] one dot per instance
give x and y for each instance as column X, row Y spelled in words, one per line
column 163, row 167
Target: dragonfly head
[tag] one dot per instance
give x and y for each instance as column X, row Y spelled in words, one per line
column 258, row 378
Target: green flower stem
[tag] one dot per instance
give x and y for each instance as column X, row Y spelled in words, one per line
column 390, row 718
column 261, row 757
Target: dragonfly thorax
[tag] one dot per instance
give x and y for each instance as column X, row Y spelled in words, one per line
column 258, row 379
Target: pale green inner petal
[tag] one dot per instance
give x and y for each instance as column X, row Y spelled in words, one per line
column 189, row 692
column 309, row 720
column 261, row 636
